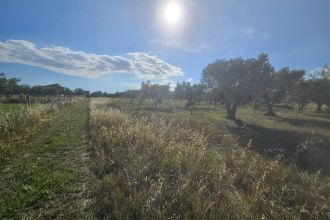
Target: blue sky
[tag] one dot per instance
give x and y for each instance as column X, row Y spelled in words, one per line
column 115, row 45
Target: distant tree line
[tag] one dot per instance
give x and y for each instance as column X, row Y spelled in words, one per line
column 236, row 82
column 230, row 82
column 10, row 87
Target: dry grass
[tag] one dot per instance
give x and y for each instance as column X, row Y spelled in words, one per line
column 18, row 121
column 153, row 167
column 299, row 138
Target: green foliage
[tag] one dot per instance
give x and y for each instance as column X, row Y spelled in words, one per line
column 238, row 81
column 234, row 80
column 81, row 92
column 156, row 92
column 53, row 89
column 320, row 90
column 302, row 93
column 191, row 93
column 9, row 86
column 277, row 85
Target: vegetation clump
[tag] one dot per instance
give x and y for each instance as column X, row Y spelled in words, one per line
column 17, row 121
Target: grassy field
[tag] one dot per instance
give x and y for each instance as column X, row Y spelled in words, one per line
column 46, row 175
column 11, row 107
column 171, row 164
column 111, row 159
column 299, row 138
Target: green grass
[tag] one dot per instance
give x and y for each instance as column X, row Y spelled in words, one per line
column 11, row 107
column 45, row 176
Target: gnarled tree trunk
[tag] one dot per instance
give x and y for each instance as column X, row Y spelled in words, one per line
column 231, row 110
column 269, row 103
column 301, row 106
column 270, row 111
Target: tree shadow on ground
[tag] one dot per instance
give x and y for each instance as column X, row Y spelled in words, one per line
column 319, row 114
column 308, row 153
column 305, row 122
column 288, row 107
column 112, row 105
column 152, row 109
column 267, row 138
column 201, row 108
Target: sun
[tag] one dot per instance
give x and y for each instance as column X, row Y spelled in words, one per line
column 172, row 13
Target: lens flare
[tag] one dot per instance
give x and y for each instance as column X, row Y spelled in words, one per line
column 172, row 13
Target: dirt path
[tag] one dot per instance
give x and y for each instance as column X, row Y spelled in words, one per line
column 48, row 177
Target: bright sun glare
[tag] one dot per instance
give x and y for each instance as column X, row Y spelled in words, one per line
column 172, row 13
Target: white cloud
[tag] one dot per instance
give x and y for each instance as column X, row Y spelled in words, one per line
column 190, row 80
column 170, row 82
column 78, row 63
column 149, row 66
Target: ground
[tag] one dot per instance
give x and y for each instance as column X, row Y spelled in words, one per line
column 173, row 163
column 300, row 138
column 48, row 175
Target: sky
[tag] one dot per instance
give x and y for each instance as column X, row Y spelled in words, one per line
column 113, row 45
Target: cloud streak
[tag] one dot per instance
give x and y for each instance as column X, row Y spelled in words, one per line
column 188, row 46
column 78, row 63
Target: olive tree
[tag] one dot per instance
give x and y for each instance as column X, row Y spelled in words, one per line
column 320, row 87
column 275, row 85
column 231, row 79
column 302, row 93
column 191, row 93
column 156, row 92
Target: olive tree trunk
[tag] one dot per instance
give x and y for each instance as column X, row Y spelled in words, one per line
column 231, row 110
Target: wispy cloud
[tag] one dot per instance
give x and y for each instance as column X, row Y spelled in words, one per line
column 78, row 63
column 190, row 80
column 182, row 45
column 251, row 33
column 149, row 66
column 248, row 32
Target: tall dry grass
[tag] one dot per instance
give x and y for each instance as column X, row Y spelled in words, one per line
column 19, row 121
column 152, row 167
column 17, row 124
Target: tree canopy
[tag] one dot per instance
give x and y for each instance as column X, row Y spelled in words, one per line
column 234, row 80
column 156, row 92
